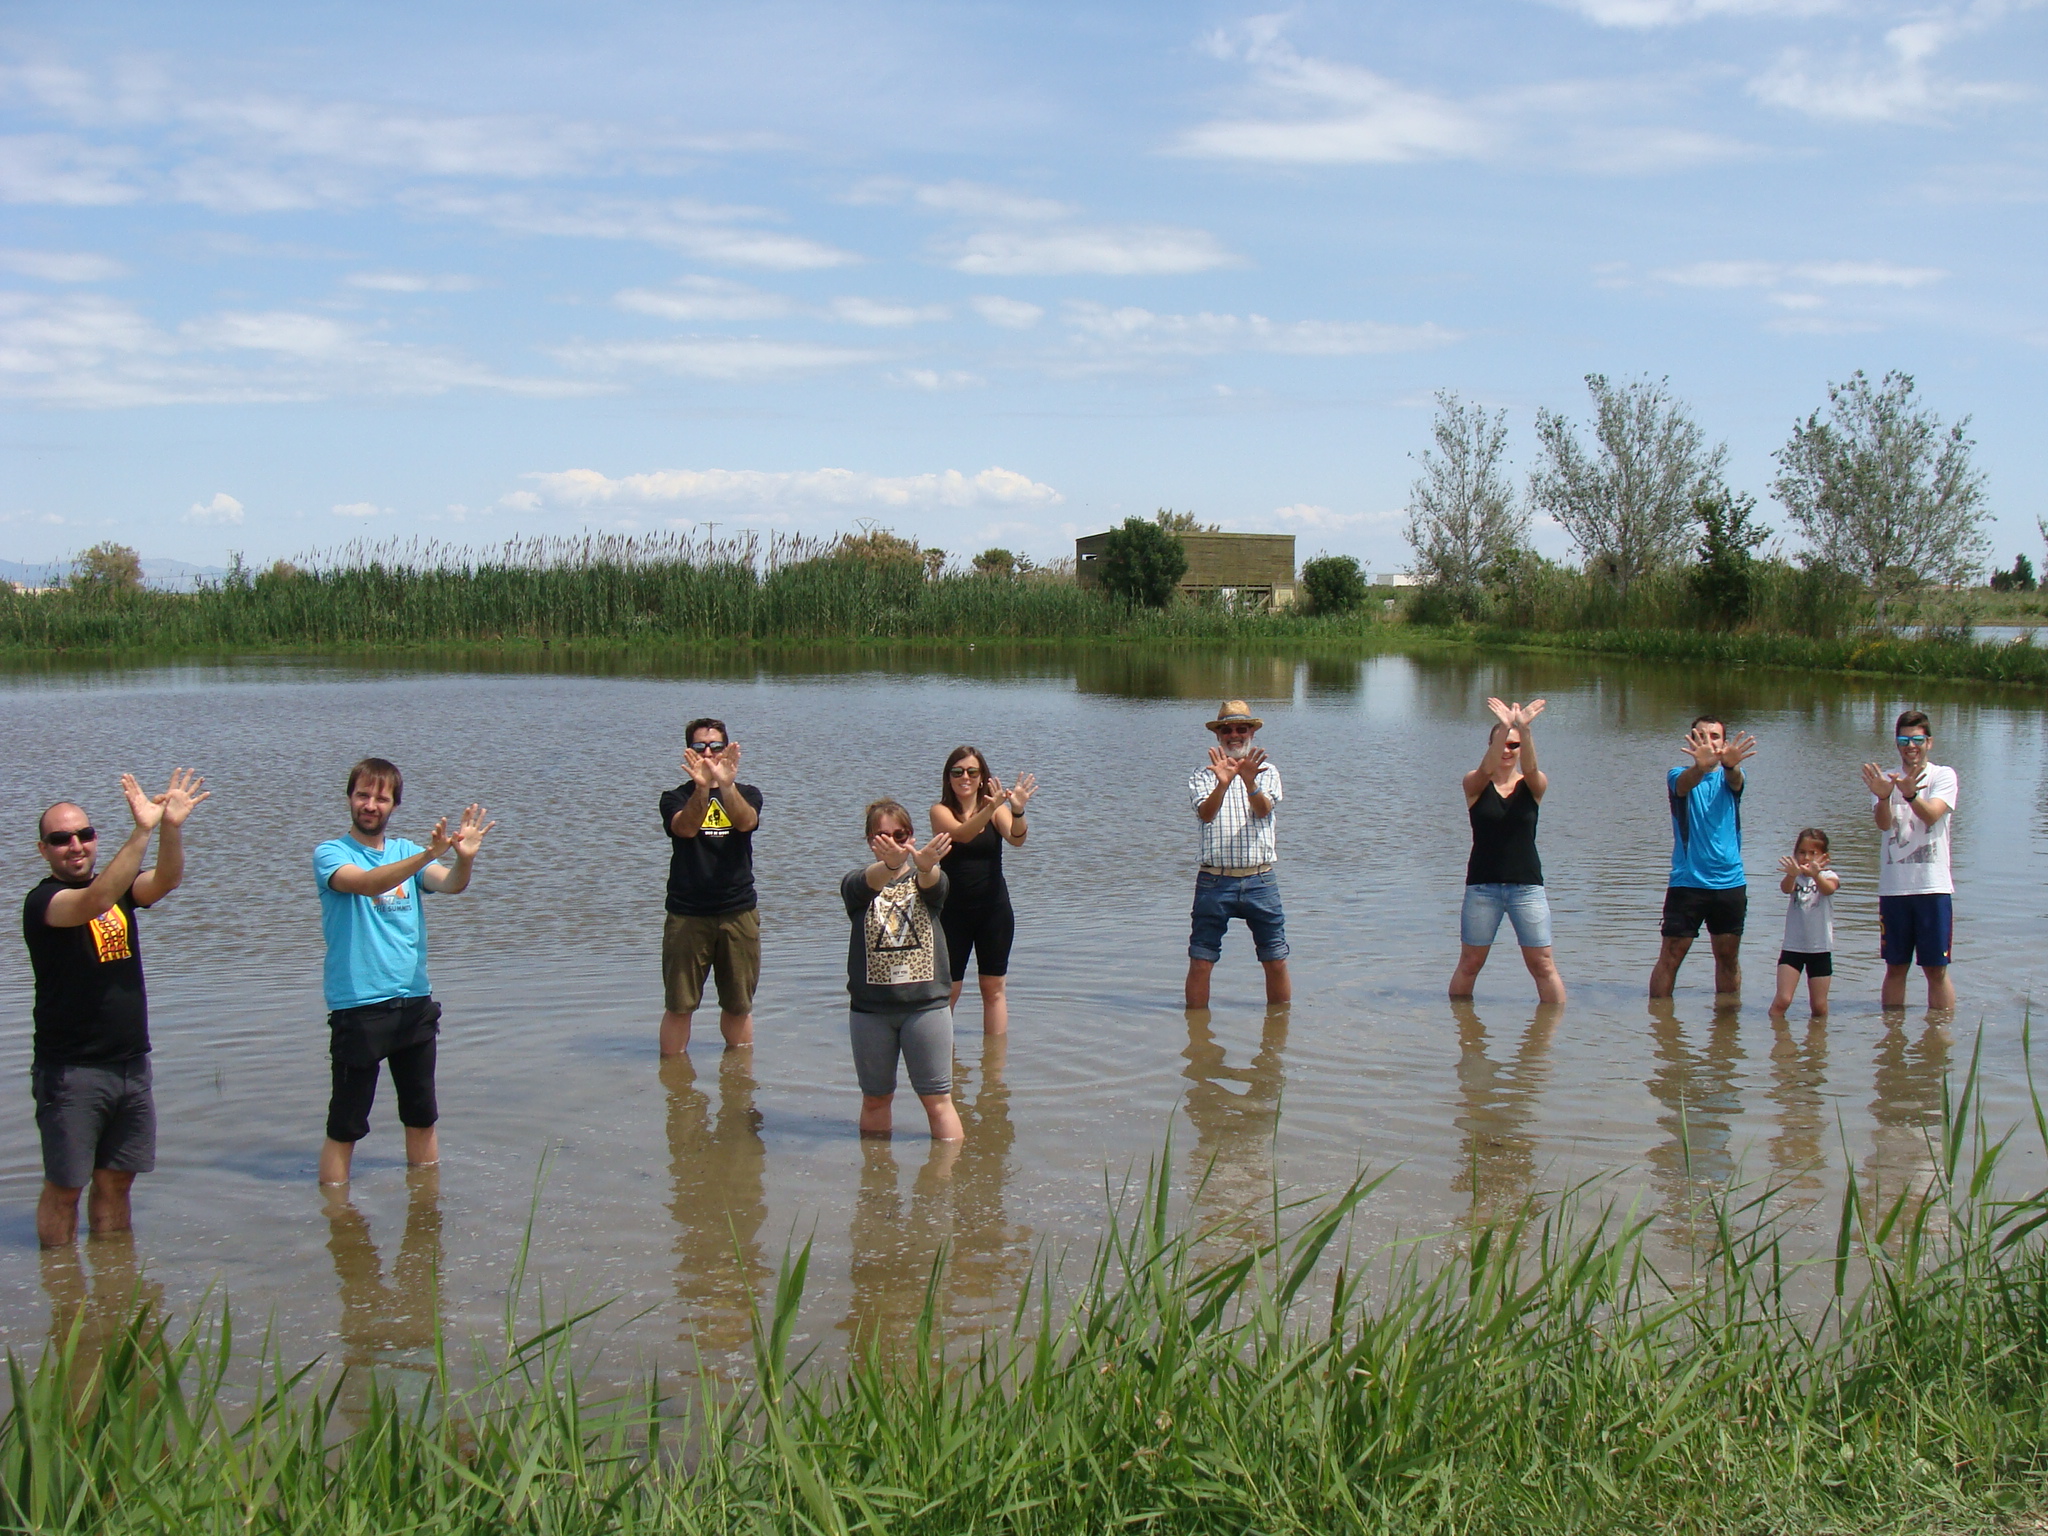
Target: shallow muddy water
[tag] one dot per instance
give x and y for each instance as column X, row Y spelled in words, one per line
column 674, row 1190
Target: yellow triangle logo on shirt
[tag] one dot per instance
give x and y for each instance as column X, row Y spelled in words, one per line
column 714, row 816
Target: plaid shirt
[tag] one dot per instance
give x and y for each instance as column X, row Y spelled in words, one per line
column 1236, row 839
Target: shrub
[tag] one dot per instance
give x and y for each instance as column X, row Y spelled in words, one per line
column 1333, row 584
column 107, row 567
column 1728, row 536
column 1141, row 563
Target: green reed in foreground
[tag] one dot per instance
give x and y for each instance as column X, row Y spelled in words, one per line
column 1542, row 1374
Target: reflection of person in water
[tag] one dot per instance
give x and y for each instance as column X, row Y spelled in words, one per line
column 1496, row 1156
column 1233, row 1152
column 1799, row 1070
column 1906, row 1108
column 99, row 1306
column 715, row 1176
column 1700, row 1098
column 893, row 1247
column 384, row 1317
column 990, row 1255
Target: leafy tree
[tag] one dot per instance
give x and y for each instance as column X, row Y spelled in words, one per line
column 995, row 562
column 1463, row 523
column 1880, row 487
column 1182, row 522
column 107, row 567
column 2019, row 579
column 1334, row 584
column 934, row 564
column 1627, row 502
column 1729, row 536
column 1142, row 562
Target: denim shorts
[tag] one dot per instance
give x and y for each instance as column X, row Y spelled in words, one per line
column 1526, row 906
column 1255, row 898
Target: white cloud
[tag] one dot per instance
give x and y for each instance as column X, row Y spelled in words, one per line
column 222, row 509
column 716, row 357
column 971, row 199
column 879, row 312
column 55, row 168
column 1131, row 332
column 1011, row 314
column 86, row 350
column 824, row 489
column 362, row 509
column 409, row 282
column 1130, row 250
column 704, row 298
column 1771, row 274
column 1901, row 86
column 62, row 266
column 1642, row 14
column 1308, row 111
column 933, row 379
column 679, row 224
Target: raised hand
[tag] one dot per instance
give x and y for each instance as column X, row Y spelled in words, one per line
column 1878, row 780
column 438, row 840
column 929, row 855
column 470, row 835
column 1504, row 713
column 698, row 765
column 1699, row 746
column 1738, row 750
column 147, row 812
column 1249, row 765
column 1021, row 793
column 1792, row 867
column 725, row 765
column 991, row 788
column 889, row 853
column 1529, row 711
column 183, row 794
column 1222, row 765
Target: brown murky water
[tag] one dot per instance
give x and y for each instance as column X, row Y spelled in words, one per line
column 676, row 1189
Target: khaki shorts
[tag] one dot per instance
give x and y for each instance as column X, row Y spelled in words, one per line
column 728, row 947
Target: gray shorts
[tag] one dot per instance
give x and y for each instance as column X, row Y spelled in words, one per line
column 924, row 1040
column 94, row 1117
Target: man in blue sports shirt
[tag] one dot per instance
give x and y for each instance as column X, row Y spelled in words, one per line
column 376, row 976
column 1707, row 880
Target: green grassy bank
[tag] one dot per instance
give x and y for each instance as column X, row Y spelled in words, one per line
column 621, row 594
column 1538, row 1375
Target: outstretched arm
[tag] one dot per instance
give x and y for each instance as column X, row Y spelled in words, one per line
column 450, row 880
column 153, row 885
column 1533, row 776
column 354, row 880
column 73, row 908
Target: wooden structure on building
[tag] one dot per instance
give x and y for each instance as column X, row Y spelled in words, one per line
column 1261, row 563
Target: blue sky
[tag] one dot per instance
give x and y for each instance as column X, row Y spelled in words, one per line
column 277, row 278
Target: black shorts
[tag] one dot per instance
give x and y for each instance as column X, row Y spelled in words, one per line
column 404, row 1032
column 1822, row 964
column 987, row 927
column 94, row 1117
column 1687, row 906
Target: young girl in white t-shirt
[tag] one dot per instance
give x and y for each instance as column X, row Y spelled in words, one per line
column 1809, row 922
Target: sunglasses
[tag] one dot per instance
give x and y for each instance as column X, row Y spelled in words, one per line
column 962, row 771
column 1913, row 741
column 66, row 839
column 1233, row 730
column 1511, row 746
column 709, row 746
column 900, row 835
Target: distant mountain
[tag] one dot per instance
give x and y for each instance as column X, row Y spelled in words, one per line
column 163, row 575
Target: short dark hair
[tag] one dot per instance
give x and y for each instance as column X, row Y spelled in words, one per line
column 704, row 722
column 1810, row 835
column 384, row 772
column 889, row 810
column 1914, row 717
column 43, row 820
column 1700, row 720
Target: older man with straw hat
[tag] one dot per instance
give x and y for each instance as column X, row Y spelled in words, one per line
column 1234, row 798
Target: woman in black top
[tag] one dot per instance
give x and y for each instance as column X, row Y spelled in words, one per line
column 1504, row 878
column 980, row 816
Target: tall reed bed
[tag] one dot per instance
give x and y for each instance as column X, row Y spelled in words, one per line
column 1539, row 1374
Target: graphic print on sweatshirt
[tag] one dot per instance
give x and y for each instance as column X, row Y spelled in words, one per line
column 899, row 936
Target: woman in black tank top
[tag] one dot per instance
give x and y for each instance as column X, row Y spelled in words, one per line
column 1504, row 877
column 981, row 816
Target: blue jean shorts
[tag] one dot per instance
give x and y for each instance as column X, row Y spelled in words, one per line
column 1525, row 906
column 1255, row 898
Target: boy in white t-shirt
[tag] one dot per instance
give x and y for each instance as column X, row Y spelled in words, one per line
column 1809, row 923
column 1915, row 891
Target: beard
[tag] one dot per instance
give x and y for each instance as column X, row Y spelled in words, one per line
column 370, row 820
column 1236, row 749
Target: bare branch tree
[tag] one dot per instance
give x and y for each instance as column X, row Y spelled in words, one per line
column 1462, row 519
column 1881, row 489
column 1627, row 503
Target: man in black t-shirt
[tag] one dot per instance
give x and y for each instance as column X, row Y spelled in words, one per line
column 712, row 926
column 90, row 1071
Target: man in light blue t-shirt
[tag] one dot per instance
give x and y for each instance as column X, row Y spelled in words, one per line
column 1708, row 884
column 372, row 915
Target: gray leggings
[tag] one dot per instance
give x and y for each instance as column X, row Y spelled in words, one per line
column 923, row 1039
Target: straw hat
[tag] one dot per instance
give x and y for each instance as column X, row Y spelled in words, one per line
column 1235, row 712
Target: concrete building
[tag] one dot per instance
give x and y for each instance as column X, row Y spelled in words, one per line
column 1261, row 563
